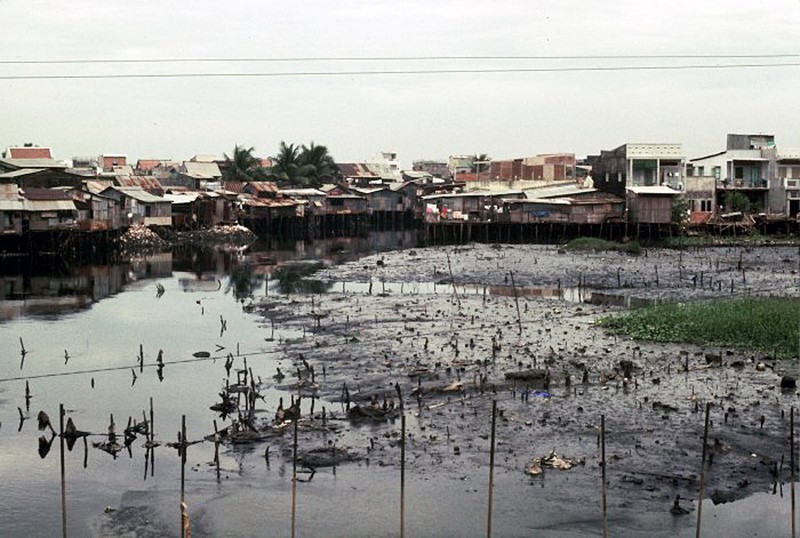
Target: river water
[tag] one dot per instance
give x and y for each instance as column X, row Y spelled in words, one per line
column 83, row 329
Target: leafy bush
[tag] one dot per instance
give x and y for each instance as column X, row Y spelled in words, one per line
column 768, row 324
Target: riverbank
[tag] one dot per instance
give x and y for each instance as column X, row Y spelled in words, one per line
column 506, row 331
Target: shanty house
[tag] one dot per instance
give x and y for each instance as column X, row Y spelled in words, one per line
column 650, row 204
column 12, row 205
column 141, row 207
column 48, row 209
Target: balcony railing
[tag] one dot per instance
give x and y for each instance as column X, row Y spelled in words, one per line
column 761, row 184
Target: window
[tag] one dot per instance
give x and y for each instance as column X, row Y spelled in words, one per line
column 717, row 171
column 705, row 205
column 689, row 171
column 738, row 172
column 701, row 171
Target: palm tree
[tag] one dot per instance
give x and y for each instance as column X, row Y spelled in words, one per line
column 287, row 168
column 324, row 168
column 303, row 166
column 479, row 161
column 244, row 166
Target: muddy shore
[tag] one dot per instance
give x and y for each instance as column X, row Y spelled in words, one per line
column 517, row 327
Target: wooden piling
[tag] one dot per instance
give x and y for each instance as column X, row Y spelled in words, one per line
column 516, row 299
column 403, row 475
column 702, row 473
column 491, row 470
column 63, row 472
column 183, row 447
column 603, row 465
column 294, row 477
column 792, row 462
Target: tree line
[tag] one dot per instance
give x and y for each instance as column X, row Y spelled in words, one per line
column 293, row 166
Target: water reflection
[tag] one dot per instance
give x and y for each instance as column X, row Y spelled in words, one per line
column 49, row 288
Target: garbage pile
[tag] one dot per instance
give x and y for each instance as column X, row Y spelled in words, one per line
column 141, row 240
column 552, row 460
column 225, row 236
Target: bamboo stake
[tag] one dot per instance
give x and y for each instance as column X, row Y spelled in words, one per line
column 516, row 299
column 402, row 475
column 183, row 474
column 603, row 459
column 491, row 470
column 63, row 473
column 702, row 473
column 152, row 441
column 294, row 477
column 791, row 460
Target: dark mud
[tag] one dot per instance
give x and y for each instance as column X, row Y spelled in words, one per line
column 393, row 331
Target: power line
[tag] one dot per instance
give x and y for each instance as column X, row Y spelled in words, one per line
column 274, row 74
column 396, row 58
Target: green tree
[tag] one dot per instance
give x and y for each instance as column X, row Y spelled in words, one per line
column 737, row 201
column 303, row 166
column 480, row 161
column 323, row 168
column 680, row 211
column 243, row 166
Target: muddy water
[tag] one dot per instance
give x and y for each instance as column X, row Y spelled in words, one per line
column 372, row 341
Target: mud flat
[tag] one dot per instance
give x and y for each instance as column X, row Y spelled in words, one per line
column 518, row 326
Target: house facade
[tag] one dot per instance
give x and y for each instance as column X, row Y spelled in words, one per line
column 639, row 165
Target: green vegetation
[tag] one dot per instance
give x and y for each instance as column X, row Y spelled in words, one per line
column 736, row 201
column 243, row 166
column 592, row 243
column 767, row 324
column 689, row 241
column 303, row 166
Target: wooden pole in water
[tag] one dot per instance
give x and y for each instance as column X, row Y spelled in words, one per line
column 516, row 299
column 702, row 473
column 491, row 470
column 63, row 473
column 294, row 477
column 183, row 475
column 152, row 441
column 603, row 463
column 403, row 475
column 791, row 460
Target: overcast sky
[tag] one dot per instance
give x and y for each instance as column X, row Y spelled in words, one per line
column 419, row 116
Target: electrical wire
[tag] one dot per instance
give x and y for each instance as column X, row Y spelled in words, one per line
column 297, row 59
column 274, row 74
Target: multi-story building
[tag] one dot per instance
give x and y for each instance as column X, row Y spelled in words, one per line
column 745, row 170
column 638, row 165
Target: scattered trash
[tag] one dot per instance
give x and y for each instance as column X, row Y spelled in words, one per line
column 552, row 460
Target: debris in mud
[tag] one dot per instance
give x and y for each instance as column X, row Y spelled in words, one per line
column 140, row 240
column 528, row 375
column 373, row 412
column 327, row 456
column 553, row 460
column 788, row 382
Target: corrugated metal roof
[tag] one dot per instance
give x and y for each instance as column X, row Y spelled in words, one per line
column 21, row 172
column 148, row 183
column 96, row 186
column 49, row 205
column 201, row 170
column 262, row 186
column 183, row 198
column 266, row 202
column 652, row 189
column 36, row 193
column 140, row 195
column 302, row 192
column 34, row 163
column 558, row 190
